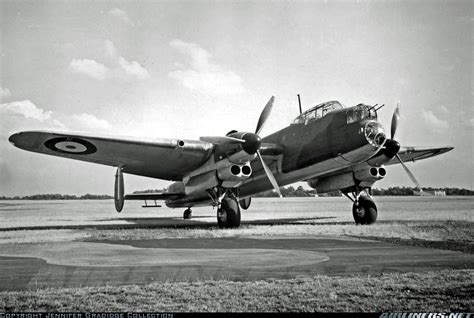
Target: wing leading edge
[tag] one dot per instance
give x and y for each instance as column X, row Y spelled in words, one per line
column 418, row 153
column 168, row 159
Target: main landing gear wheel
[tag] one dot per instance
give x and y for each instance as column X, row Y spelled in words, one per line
column 364, row 210
column 187, row 214
column 228, row 215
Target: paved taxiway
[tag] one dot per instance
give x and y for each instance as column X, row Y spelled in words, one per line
column 74, row 264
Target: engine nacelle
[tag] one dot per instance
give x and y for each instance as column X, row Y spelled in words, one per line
column 176, row 187
column 364, row 177
column 235, row 172
column 225, row 174
column 341, row 181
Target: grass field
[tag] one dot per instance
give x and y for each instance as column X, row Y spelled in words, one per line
column 453, row 235
column 441, row 291
column 430, row 226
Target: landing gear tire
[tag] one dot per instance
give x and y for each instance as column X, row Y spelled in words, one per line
column 228, row 215
column 364, row 211
column 187, row 214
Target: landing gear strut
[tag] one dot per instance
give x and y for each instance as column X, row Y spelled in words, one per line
column 228, row 214
column 187, row 214
column 364, row 209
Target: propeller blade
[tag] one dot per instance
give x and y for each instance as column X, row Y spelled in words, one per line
column 412, row 177
column 395, row 119
column 264, row 115
column 219, row 140
column 270, row 175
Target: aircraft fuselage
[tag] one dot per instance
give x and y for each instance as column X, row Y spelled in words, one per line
column 309, row 149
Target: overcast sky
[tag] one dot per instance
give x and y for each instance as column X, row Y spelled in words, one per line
column 190, row 69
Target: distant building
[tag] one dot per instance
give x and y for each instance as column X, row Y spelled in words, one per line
column 422, row 193
column 438, row 193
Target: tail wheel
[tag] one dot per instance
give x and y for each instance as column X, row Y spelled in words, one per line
column 364, row 211
column 187, row 214
column 228, row 215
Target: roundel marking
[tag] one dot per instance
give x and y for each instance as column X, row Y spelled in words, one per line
column 70, row 145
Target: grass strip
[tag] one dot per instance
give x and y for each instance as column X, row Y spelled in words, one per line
column 436, row 291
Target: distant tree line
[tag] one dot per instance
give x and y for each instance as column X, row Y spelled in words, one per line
column 289, row 191
column 391, row 191
column 149, row 191
column 57, row 196
column 411, row 191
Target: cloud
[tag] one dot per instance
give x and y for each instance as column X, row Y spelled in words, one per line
column 434, row 122
column 122, row 15
column 89, row 121
column 34, row 116
column 4, row 92
column 89, row 68
column 471, row 123
column 133, row 68
column 443, row 109
column 202, row 74
column 119, row 67
column 110, row 49
column 27, row 109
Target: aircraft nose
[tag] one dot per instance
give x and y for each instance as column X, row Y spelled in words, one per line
column 374, row 133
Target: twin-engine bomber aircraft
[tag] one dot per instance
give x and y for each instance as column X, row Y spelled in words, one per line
column 330, row 146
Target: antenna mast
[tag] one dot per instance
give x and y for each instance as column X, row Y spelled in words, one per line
column 299, row 103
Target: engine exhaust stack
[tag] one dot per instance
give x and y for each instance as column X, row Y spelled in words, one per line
column 119, row 190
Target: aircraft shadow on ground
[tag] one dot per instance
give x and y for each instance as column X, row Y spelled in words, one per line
column 194, row 223
column 173, row 222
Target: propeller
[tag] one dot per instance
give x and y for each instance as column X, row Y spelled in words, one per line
column 393, row 130
column 264, row 115
column 251, row 142
column 269, row 175
column 412, row 177
column 261, row 122
column 395, row 119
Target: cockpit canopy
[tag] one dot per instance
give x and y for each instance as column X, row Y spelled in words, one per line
column 318, row 111
column 354, row 114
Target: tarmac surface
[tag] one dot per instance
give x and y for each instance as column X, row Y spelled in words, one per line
column 113, row 263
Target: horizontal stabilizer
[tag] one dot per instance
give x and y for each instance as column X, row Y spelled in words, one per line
column 153, row 196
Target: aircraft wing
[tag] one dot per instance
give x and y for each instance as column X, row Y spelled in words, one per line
column 418, row 153
column 168, row 159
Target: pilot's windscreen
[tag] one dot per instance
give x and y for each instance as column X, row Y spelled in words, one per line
column 311, row 115
column 356, row 114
